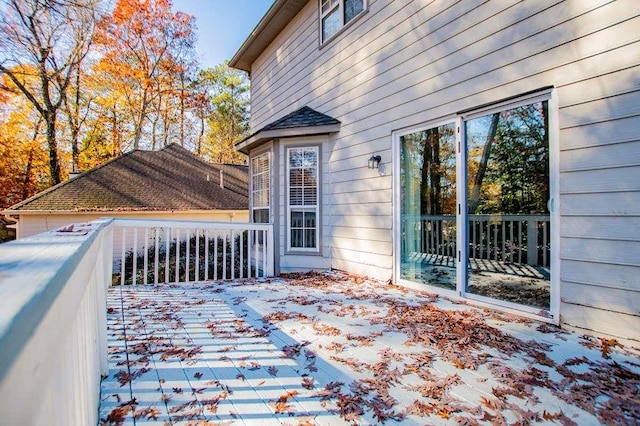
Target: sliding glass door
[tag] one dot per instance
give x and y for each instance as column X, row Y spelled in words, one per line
column 473, row 205
column 508, row 224
column 428, row 179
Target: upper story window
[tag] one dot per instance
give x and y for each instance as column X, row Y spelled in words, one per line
column 335, row 14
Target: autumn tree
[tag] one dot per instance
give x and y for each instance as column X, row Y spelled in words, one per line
column 145, row 48
column 77, row 105
column 42, row 44
column 23, row 161
column 229, row 118
column 199, row 103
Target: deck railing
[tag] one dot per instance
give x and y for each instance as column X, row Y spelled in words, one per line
column 53, row 302
column 53, row 325
column 186, row 251
column 523, row 239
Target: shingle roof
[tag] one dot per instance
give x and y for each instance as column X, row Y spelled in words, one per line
column 167, row 180
column 304, row 117
column 302, row 122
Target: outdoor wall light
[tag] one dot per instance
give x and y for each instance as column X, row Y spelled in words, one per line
column 374, row 161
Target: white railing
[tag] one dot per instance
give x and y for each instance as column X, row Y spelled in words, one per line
column 53, row 325
column 53, row 342
column 152, row 252
column 523, row 239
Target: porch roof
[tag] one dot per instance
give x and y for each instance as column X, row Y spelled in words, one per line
column 302, row 122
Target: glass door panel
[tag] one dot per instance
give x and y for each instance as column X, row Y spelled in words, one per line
column 428, row 206
column 508, row 224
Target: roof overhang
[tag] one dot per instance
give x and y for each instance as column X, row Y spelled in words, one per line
column 272, row 23
column 263, row 136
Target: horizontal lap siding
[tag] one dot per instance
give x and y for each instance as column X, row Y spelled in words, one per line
column 600, row 183
column 407, row 62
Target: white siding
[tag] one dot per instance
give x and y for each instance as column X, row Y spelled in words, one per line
column 407, row 62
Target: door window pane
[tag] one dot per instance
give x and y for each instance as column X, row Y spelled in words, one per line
column 508, row 227
column 428, row 206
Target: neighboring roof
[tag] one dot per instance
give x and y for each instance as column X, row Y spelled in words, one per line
column 303, row 122
column 272, row 23
column 172, row 179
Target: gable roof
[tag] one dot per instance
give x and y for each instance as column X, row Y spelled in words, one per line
column 272, row 23
column 302, row 122
column 167, row 180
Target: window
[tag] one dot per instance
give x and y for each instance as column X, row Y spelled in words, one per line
column 260, row 188
column 302, row 172
column 335, row 14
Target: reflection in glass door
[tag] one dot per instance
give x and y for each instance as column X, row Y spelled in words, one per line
column 508, row 227
column 428, row 206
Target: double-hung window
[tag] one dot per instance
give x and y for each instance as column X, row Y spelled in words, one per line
column 335, row 14
column 260, row 188
column 302, row 200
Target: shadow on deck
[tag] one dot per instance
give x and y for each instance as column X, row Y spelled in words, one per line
column 336, row 349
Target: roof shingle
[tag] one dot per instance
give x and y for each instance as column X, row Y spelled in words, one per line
column 167, row 180
column 303, row 117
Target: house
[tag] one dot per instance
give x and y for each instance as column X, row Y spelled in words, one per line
column 487, row 151
column 168, row 184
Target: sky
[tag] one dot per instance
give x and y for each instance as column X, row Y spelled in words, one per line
column 223, row 25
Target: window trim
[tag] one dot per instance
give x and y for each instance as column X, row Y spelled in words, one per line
column 303, row 208
column 343, row 25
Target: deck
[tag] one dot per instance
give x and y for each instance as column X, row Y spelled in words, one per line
column 337, row 349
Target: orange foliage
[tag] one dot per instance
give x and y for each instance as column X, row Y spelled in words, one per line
column 145, row 48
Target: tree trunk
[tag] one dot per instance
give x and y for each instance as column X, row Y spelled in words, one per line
column 200, row 136
column 436, row 171
column 54, row 165
column 114, row 133
column 425, row 190
column 74, row 123
column 27, row 176
column 154, row 127
column 140, row 121
column 182, row 107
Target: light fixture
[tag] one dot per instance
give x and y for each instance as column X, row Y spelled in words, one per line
column 374, row 161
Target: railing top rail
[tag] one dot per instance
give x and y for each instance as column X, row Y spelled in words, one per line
column 33, row 272
column 153, row 223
